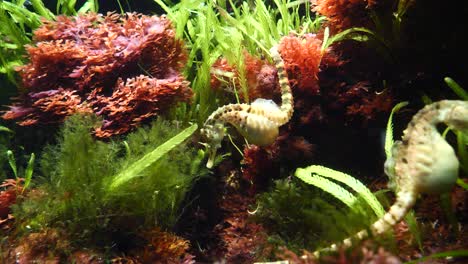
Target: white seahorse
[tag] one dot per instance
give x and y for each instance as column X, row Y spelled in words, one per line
column 258, row 122
column 422, row 162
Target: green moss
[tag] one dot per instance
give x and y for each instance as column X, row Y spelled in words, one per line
column 77, row 173
column 301, row 217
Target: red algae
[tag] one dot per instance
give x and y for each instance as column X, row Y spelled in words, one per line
column 343, row 14
column 83, row 63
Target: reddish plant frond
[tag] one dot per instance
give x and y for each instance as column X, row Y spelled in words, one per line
column 260, row 77
column 302, row 57
column 164, row 247
column 343, row 14
column 45, row 107
column 80, row 61
column 136, row 100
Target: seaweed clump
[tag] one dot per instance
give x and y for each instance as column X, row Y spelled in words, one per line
column 260, row 77
column 123, row 68
column 76, row 196
column 345, row 14
column 8, row 196
column 297, row 217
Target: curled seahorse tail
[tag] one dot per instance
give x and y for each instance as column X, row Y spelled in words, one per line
column 287, row 101
column 404, row 201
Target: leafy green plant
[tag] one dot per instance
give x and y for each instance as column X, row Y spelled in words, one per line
column 386, row 33
column 456, row 88
column 16, row 23
column 300, row 217
column 28, row 171
column 389, row 141
column 135, row 169
column 316, row 175
column 84, row 191
column 68, row 7
column 211, row 32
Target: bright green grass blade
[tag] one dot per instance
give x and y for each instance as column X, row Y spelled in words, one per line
column 40, row 8
column 350, row 181
column 462, row 184
column 12, row 162
column 90, row 5
column 29, row 172
column 389, row 132
column 357, row 33
column 456, row 88
column 462, row 142
column 332, row 188
column 410, row 219
column 326, row 35
column 5, row 129
column 137, row 167
column 20, row 15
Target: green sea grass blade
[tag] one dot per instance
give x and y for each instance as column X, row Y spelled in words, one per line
column 29, row 172
column 19, row 15
column 40, row 8
column 389, row 132
column 415, row 230
column 456, row 88
column 350, row 181
column 5, row 129
column 326, row 35
column 12, row 162
column 137, row 167
column 462, row 142
column 356, row 33
column 332, row 188
column 462, row 184
column 90, row 5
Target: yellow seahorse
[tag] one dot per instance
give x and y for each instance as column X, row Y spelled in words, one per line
column 422, row 162
column 258, row 122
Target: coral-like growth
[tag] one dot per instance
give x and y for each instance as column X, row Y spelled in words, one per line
column 143, row 97
column 260, row 77
column 93, row 63
column 302, row 58
column 343, row 14
column 260, row 165
column 48, row 245
column 164, row 247
column 8, row 198
column 49, row 106
column 321, row 86
column 359, row 103
column 304, row 61
column 242, row 238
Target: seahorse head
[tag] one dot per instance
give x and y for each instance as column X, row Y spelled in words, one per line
column 458, row 116
column 213, row 134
